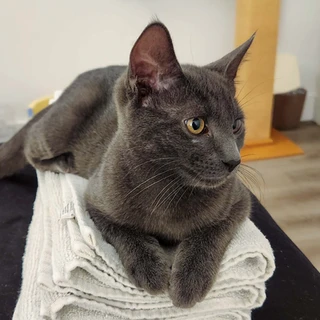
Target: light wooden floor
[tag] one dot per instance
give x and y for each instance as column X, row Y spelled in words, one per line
column 291, row 191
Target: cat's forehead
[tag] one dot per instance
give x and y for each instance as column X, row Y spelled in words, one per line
column 208, row 92
column 208, row 83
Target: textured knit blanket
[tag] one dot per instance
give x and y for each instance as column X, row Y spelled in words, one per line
column 70, row 272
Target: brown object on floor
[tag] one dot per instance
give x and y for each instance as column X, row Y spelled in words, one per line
column 281, row 146
column 291, row 192
column 287, row 109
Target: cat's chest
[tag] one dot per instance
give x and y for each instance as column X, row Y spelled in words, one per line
column 175, row 220
column 170, row 212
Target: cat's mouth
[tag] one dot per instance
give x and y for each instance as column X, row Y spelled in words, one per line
column 212, row 182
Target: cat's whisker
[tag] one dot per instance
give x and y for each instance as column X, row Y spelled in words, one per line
column 249, row 104
column 249, row 175
column 193, row 180
column 258, row 183
column 181, row 197
column 249, row 77
column 154, row 160
column 170, row 162
column 238, row 94
column 254, row 88
column 162, row 194
column 164, row 197
column 258, row 95
column 245, row 181
column 176, row 191
column 157, row 170
column 142, row 183
column 247, row 155
column 255, row 171
column 252, row 179
column 195, row 185
column 154, row 183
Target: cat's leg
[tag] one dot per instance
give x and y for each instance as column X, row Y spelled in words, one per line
column 146, row 263
column 47, row 152
column 199, row 256
column 63, row 163
column 48, row 145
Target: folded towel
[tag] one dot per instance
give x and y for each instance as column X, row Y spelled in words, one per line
column 70, row 272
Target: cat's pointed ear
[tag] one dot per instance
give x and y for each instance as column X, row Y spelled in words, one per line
column 153, row 63
column 229, row 64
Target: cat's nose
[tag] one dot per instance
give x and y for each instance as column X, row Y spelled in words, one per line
column 231, row 164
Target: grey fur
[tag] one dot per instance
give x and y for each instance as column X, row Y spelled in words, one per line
column 162, row 196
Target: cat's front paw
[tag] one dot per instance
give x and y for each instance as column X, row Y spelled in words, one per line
column 189, row 284
column 148, row 268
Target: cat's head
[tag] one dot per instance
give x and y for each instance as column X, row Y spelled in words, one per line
column 181, row 117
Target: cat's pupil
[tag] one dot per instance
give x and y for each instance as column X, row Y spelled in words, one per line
column 196, row 124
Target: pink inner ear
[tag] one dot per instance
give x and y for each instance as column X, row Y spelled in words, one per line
column 146, row 71
column 152, row 59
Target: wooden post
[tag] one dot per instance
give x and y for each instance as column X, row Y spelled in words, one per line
column 256, row 76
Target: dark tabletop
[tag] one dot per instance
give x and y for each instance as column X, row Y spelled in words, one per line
column 293, row 293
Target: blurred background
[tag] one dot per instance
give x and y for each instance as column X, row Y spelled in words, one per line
column 46, row 44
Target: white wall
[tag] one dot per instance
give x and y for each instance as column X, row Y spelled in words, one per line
column 45, row 44
column 299, row 34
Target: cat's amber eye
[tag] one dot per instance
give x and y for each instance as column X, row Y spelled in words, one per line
column 196, row 125
column 237, row 126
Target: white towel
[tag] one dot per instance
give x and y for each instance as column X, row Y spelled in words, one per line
column 69, row 272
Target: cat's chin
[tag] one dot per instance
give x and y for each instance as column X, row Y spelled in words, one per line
column 211, row 183
column 207, row 183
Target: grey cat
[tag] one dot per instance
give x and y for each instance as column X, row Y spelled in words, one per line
column 159, row 143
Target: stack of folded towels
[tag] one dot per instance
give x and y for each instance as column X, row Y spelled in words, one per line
column 70, row 272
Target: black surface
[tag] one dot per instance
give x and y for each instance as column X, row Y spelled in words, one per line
column 294, row 290
column 17, row 195
column 292, row 293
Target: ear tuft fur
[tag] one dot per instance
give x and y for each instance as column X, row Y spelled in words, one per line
column 229, row 64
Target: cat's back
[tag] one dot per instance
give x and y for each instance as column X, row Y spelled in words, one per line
column 101, row 80
column 92, row 137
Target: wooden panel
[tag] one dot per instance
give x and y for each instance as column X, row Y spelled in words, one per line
column 279, row 147
column 255, row 77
